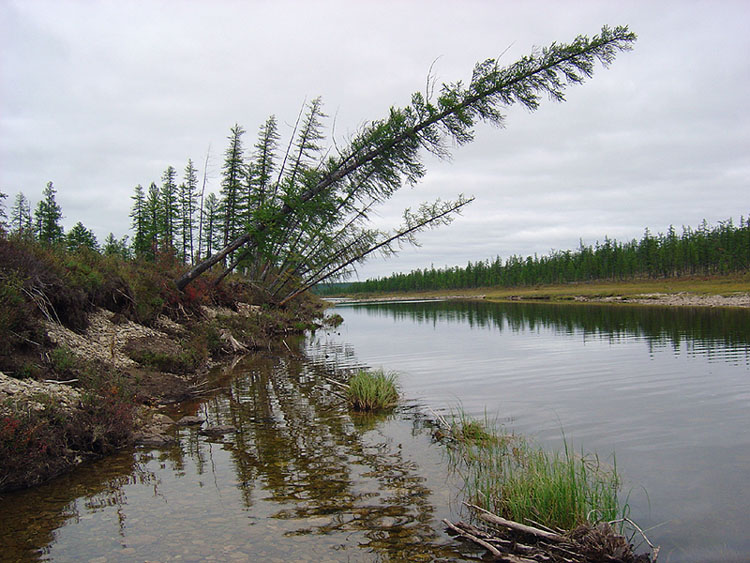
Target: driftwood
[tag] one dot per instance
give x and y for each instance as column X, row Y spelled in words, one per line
column 515, row 542
column 234, row 344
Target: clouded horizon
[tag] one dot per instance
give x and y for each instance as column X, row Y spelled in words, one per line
column 101, row 96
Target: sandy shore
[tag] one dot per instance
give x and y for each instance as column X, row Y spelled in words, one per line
column 677, row 300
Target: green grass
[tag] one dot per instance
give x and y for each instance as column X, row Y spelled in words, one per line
column 514, row 478
column 372, row 391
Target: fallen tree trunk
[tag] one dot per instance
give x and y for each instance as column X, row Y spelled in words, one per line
column 515, row 542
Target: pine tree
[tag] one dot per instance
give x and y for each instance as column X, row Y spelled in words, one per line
column 47, row 216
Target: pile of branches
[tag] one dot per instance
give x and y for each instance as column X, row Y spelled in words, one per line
column 521, row 543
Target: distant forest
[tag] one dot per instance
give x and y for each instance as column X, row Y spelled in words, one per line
column 706, row 250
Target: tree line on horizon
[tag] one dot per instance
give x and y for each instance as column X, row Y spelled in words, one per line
column 705, row 250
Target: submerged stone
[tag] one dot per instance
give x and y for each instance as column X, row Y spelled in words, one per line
column 191, row 421
column 218, row 430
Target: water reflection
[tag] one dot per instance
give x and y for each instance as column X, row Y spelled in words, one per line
column 308, row 455
column 301, row 479
column 701, row 330
column 665, row 389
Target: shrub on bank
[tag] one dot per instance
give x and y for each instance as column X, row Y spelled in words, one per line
column 36, row 445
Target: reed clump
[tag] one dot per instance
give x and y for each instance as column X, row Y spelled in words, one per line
column 510, row 476
column 372, row 391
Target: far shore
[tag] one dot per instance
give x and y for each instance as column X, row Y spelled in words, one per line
column 714, row 291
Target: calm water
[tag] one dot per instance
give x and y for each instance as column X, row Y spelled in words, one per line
column 667, row 390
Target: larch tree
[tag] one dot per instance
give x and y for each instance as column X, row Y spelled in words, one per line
column 233, row 173
column 153, row 219
column 140, row 224
column 3, row 214
column 169, row 210
column 47, row 217
column 211, row 224
column 116, row 247
column 318, row 226
column 20, row 216
column 188, row 207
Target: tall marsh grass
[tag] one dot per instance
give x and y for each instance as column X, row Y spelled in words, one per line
column 514, row 478
column 372, row 391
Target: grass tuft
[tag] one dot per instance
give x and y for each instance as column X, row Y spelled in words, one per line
column 514, row 478
column 372, row 391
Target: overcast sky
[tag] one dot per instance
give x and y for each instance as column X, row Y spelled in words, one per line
column 100, row 96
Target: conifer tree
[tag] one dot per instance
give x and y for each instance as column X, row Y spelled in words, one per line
column 47, row 216
column 153, row 219
column 233, row 173
column 80, row 237
column 211, row 224
column 188, row 200
column 140, row 224
column 116, row 247
column 169, row 210
column 20, row 216
column 327, row 207
column 3, row 214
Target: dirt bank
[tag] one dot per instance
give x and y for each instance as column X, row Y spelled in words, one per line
column 96, row 391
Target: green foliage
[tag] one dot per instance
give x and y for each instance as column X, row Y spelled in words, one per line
column 115, row 247
column 45, row 283
column 211, row 225
column 233, row 174
column 20, row 217
column 18, row 317
column 372, row 391
column 188, row 198
column 722, row 249
column 3, row 214
column 311, row 222
column 37, row 445
column 47, row 216
column 168, row 210
column 180, row 363
column 61, row 359
column 80, row 237
column 508, row 475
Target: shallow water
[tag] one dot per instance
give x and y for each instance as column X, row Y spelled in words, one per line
column 300, row 480
column 668, row 390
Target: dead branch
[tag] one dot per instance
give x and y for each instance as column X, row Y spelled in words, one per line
column 523, row 528
column 488, row 546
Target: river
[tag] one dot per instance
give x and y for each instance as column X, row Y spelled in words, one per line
column 663, row 391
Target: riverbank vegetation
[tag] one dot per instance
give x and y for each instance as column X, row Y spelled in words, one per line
column 721, row 250
column 567, row 503
column 87, row 338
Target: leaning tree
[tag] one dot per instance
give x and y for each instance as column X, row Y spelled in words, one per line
column 309, row 221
